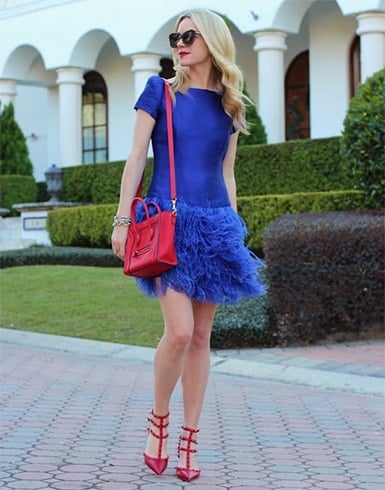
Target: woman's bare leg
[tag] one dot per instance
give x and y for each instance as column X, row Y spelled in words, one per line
column 178, row 329
column 195, row 371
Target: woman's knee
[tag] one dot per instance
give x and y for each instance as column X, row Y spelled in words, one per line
column 200, row 338
column 179, row 338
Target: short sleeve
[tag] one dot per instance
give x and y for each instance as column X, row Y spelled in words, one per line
column 151, row 97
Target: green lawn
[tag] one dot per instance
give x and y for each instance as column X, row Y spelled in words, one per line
column 87, row 302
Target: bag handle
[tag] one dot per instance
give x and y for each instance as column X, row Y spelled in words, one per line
column 146, row 207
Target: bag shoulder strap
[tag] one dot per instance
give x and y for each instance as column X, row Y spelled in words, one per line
column 171, row 157
column 170, row 139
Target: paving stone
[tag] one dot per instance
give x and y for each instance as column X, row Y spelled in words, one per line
column 27, row 485
column 72, row 486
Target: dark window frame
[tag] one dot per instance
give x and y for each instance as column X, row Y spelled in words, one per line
column 94, row 93
column 354, row 65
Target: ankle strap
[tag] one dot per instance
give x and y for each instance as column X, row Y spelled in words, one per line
column 160, row 417
column 188, row 429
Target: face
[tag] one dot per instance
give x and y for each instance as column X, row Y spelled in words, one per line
column 191, row 48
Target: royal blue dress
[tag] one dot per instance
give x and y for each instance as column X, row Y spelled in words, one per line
column 213, row 262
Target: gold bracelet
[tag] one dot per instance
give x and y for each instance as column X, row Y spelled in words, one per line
column 121, row 221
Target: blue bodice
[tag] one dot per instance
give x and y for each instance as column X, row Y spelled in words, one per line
column 201, row 137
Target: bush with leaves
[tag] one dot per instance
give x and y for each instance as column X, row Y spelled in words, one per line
column 325, row 274
column 16, row 189
column 244, row 324
column 14, row 155
column 257, row 134
column 363, row 139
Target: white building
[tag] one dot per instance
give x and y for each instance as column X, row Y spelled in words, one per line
column 74, row 68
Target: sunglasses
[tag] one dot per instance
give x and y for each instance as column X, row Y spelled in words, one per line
column 187, row 37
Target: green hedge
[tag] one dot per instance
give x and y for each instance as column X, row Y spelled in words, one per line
column 97, row 183
column 284, row 168
column 325, row 274
column 83, row 226
column 293, row 166
column 363, row 138
column 245, row 324
column 38, row 255
column 90, row 226
column 16, row 189
column 259, row 211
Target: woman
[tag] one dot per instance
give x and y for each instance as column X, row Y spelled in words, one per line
column 214, row 266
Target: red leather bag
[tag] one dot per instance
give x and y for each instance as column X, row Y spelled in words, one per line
column 150, row 248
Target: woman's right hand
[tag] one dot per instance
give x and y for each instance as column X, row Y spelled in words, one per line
column 118, row 241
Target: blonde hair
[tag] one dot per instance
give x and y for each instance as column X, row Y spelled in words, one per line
column 228, row 77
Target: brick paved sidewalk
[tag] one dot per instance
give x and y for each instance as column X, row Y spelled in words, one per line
column 362, row 357
column 75, row 421
column 356, row 366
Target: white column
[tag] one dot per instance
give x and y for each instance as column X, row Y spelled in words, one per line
column 144, row 65
column 371, row 29
column 7, row 93
column 270, row 46
column 70, row 81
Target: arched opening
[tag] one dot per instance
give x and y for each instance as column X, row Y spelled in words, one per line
column 94, row 119
column 355, row 65
column 297, row 93
column 167, row 66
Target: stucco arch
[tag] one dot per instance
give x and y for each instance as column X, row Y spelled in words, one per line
column 349, row 7
column 25, row 64
column 288, row 17
column 87, row 49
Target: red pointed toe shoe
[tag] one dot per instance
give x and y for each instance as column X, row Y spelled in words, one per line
column 158, row 464
column 187, row 474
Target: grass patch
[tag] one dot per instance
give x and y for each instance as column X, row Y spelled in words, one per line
column 79, row 301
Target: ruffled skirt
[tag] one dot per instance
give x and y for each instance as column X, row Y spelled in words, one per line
column 214, row 264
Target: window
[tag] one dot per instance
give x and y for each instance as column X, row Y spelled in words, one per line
column 297, row 94
column 94, row 119
column 355, row 66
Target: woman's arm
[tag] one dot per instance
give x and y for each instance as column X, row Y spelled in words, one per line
column 136, row 161
column 228, row 170
column 131, row 177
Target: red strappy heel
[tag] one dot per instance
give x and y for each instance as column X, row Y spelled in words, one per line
column 158, row 464
column 187, row 474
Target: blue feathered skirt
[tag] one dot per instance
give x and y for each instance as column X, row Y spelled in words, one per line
column 214, row 264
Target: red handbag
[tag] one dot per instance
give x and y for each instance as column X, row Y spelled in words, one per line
column 150, row 248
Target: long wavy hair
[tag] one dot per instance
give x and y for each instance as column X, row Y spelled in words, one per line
column 227, row 76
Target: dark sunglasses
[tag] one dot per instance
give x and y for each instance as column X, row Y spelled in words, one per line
column 187, row 37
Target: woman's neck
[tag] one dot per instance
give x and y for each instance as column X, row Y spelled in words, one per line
column 202, row 79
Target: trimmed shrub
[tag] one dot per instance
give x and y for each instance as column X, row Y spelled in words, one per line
column 84, row 226
column 91, row 225
column 106, row 185
column 244, row 324
column 284, row 168
column 42, row 193
column 78, row 181
column 325, row 274
column 95, row 257
column 16, row 189
column 363, row 138
column 14, row 154
column 260, row 211
column 257, row 133
column 293, row 166
column 97, row 183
